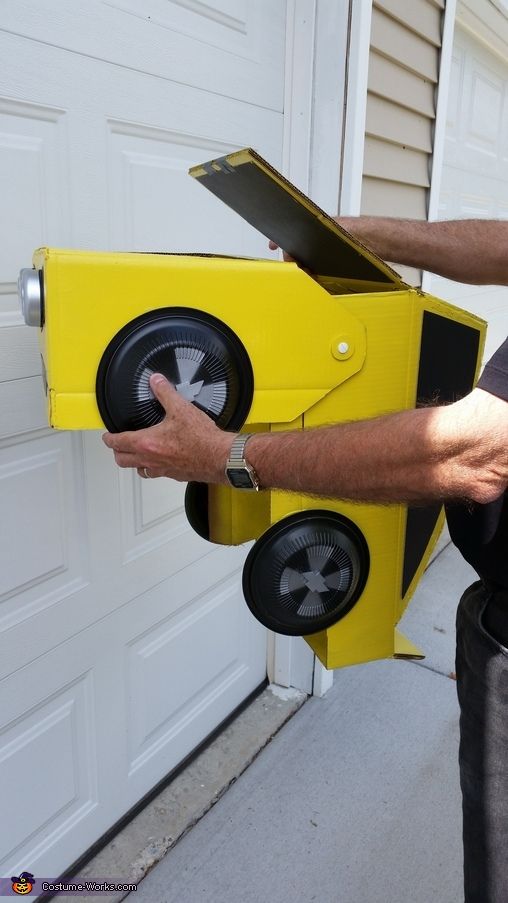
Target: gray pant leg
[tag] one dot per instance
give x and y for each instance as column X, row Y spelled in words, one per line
column 482, row 685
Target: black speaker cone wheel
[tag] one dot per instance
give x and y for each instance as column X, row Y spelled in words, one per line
column 306, row 572
column 196, row 508
column 197, row 353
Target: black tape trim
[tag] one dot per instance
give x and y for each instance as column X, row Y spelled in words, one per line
column 448, row 359
column 224, row 165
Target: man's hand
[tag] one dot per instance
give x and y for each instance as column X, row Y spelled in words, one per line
column 186, row 445
column 275, row 247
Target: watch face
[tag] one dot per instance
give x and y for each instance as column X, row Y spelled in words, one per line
column 240, row 478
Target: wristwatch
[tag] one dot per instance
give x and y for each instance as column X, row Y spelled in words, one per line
column 239, row 473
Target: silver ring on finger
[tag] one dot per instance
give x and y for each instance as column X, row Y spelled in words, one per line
column 146, row 475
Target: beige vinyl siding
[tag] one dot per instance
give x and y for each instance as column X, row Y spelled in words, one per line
column 401, row 103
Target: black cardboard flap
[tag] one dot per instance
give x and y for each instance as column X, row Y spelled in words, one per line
column 266, row 200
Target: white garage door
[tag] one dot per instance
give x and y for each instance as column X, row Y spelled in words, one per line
column 124, row 637
column 475, row 173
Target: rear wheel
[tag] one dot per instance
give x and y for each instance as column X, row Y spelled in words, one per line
column 196, row 508
column 306, row 572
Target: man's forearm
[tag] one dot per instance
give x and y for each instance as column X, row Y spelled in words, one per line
column 414, row 456
column 453, row 452
column 473, row 251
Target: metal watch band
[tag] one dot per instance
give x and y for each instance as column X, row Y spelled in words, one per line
column 237, row 451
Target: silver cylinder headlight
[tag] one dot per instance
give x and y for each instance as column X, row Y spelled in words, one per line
column 29, row 293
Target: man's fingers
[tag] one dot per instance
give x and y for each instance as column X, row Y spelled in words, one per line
column 150, row 473
column 122, row 442
column 275, row 247
column 126, row 460
column 163, row 391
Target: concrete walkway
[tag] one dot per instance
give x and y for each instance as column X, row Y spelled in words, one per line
column 356, row 799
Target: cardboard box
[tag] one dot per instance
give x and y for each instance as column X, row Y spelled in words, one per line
column 266, row 345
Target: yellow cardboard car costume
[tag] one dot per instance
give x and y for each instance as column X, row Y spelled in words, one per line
column 263, row 345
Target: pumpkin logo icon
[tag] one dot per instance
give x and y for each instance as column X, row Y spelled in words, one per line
column 23, row 884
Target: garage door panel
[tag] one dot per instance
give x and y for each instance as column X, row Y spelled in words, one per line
column 488, row 201
column 477, row 111
column 76, row 686
column 118, row 706
column 38, row 550
column 224, row 24
column 45, row 557
column 161, row 121
column 55, row 612
column 196, row 44
column 34, row 196
column 23, row 407
column 152, row 515
column 56, row 804
column 161, row 657
column 149, row 183
column 138, row 527
column 475, row 170
column 486, row 111
column 169, row 713
column 115, row 592
column 457, row 200
column 19, row 351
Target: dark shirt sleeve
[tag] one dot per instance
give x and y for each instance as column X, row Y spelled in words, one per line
column 494, row 378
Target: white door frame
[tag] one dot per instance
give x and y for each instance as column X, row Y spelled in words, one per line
column 445, row 66
column 327, row 53
column 353, row 141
